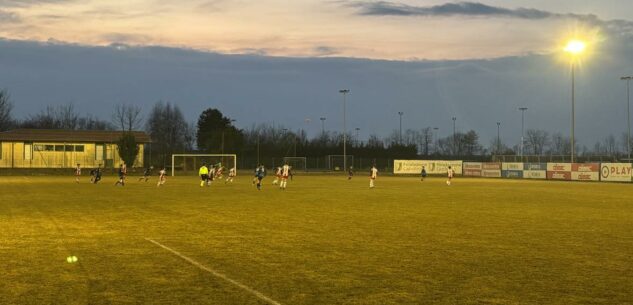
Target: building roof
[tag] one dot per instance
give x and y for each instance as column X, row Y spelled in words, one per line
column 61, row 135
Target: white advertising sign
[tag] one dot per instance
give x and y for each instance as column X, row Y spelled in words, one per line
column 620, row 172
column 535, row 174
column 559, row 167
column 432, row 166
column 512, row 166
column 585, row 176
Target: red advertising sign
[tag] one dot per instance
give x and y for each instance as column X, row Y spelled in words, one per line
column 553, row 175
column 493, row 166
column 585, row 167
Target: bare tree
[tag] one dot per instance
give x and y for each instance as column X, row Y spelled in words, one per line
column 537, row 140
column 560, row 145
column 5, row 111
column 127, row 117
column 610, row 145
column 59, row 117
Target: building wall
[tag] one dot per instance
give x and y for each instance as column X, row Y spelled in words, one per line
column 61, row 155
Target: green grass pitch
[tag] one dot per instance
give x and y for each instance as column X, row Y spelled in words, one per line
column 324, row 240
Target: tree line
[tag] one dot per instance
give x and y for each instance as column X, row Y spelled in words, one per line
column 213, row 132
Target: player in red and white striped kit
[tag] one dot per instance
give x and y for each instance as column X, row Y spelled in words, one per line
column 77, row 172
column 285, row 173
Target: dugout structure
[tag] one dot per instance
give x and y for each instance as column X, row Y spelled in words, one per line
column 188, row 163
column 336, row 163
column 297, row 163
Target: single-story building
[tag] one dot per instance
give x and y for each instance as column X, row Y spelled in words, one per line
column 50, row 148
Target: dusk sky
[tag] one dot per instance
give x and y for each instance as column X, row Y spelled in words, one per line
column 284, row 61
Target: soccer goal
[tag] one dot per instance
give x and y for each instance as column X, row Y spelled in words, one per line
column 188, row 164
column 335, row 162
column 297, row 163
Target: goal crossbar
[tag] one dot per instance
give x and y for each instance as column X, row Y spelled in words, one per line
column 173, row 159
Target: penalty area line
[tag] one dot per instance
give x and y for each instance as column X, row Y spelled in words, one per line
column 258, row 294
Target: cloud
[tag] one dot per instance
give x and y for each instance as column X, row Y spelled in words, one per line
column 325, row 51
column 476, row 9
column 384, row 8
column 126, row 38
column 27, row 3
column 9, row 17
column 213, row 5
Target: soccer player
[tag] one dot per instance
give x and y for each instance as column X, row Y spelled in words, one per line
column 450, row 173
column 77, row 172
column 211, row 174
column 122, row 173
column 146, row 174
column 350, row 173
column 277, row 176
column 285, row 173
column 373, row 174
column 219, row 169
column 260, row 173
column 97, row 174
column 423, row 173
column 204, row 174
column 231, row 175
column 162, row 178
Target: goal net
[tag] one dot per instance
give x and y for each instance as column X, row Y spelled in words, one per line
column 336, row 162
column 297, row 163
column 188, row 164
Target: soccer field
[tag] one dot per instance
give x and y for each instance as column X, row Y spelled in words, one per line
column 324, row 240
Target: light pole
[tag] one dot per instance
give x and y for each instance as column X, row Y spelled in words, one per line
column 628, row 114
column 498, row 137
column 523, row 109
column 400, row 113
column 436, row 129
column 454, row 137
column 344, row 92
column 574, row 48
column 357, row 130
column 323, row 125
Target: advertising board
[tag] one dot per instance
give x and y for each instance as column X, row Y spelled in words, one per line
column 512, row 166
column 615, row 172
column 432, row 167
column 559, row 167
column 491, row 173
column 491, row 165
column 512, row 173
column 554, row 175
column 585, row 172
column 535, row 166
column 535, row 174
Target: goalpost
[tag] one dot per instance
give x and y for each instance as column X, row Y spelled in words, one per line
column 336, row 162
column 191, row 162
column 297, row 163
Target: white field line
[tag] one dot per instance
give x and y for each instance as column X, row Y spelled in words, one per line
column 217, row 274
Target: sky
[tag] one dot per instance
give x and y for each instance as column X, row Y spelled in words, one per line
column 284, row 61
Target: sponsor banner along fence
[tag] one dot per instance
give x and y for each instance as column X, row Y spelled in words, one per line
column 535, row 171
column 512, row 166
column 535, row 166
column 479, row 169
column 559, row 171
column 433, row 167
column 512, row 173
column 472, row 169
column 491, row 173
column 535, row 174
column 616, row 172
column 585, row 171
column 553, row 175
